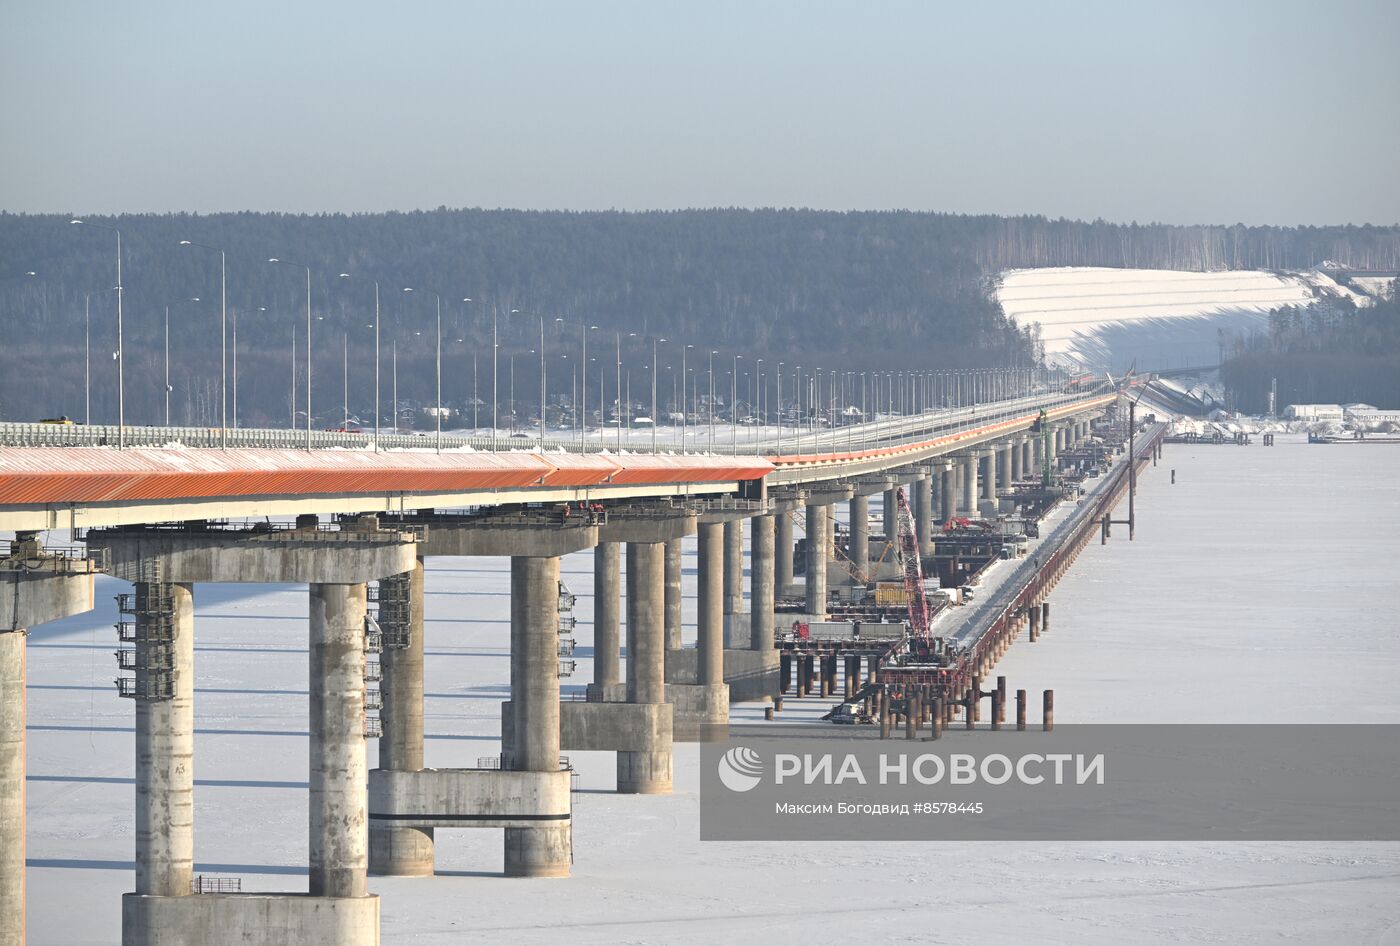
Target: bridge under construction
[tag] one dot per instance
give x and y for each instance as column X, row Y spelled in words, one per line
column 354, row 520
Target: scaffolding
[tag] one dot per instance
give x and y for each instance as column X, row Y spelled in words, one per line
column 392, row 598
column 567, row 622
column 148, row 623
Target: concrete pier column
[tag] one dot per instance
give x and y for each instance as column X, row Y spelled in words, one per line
column 1014, row 471
column 394, row 850
column 969, row 486
column 673, row 594
column 710, row 603
column 989, row 476
column 782, row 553
column 12, row 785
column 339, row 836
column 1004, row 469
column 949, row 493
column 891, row 522
column 543, row 851
column 923, row 514
column 817, row 532
column 607, row 603
column 859, row 551
column 647, row 771
column 734, row 566
column 165, row 754
column 761, row 580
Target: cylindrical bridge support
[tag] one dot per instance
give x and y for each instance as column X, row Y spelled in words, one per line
column 339, row 848
column 12, row 785
column 734, row 566
column 673, row 594
column 969, row 486
column 761, row 582
column 859, row 551
column 818, row 532
column 395, row 850
column 607, row 603
column 648, row 771
column 782, row 553
column 710, row 604
column 165, row 752
column 543, row 851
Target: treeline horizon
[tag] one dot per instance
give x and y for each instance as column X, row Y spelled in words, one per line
column 835, row 291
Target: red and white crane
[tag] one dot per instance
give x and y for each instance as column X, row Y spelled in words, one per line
column 908, row 551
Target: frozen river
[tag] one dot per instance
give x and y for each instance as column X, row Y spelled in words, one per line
column 1261, row 588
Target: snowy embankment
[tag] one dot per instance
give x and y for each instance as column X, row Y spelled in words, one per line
column 1105, row 319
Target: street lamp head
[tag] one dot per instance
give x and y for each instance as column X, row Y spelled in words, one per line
column 75, row 221
column 407, row 288
column 514, row 311
column 186, row 243
column 344, row 275
column 31, row 273
column 273, row 259
column 466, row 300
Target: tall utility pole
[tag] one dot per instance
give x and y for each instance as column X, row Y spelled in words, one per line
column 87, row 360
column 308, row 347
column 121, row 360
column 544, row 394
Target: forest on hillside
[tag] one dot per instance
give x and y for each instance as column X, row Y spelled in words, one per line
column 830, row 291
column 1326, row 353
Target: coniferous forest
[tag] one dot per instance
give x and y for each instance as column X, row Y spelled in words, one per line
column 1332, row 353
column 831, row 291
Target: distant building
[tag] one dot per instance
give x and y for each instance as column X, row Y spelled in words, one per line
column 1366, row 416
column 1313, row 412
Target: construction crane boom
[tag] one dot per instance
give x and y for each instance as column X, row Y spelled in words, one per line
column 908, row 550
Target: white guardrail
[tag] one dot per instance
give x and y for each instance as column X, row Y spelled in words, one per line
column 884, row 432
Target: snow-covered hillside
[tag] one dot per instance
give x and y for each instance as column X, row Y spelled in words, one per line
column 1105, row 319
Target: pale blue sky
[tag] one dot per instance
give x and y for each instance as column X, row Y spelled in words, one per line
column 1212, row 112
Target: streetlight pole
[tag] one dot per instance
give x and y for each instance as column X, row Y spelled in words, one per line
column 223, row 338
column 710, row 407
column 376, row 359
column 779, row 395
column 121, row 361
column 167, row 361
column 544, row 390
column 655, row 421
column 308, row 344
column 733, row 408
column 87, row 360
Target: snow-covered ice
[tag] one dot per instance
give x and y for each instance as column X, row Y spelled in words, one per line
column 1261, row 588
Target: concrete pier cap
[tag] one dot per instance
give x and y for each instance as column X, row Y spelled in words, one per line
column 256, row 554
column 724, row 509
column 647, row 523
column 872, row 485
column 507, row 531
